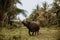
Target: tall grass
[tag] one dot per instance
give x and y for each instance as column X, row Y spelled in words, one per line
column 21, row 33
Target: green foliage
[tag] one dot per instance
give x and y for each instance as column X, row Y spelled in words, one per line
column 45, row 6
column 8, row 9
column 56, row 9
column 44, row 15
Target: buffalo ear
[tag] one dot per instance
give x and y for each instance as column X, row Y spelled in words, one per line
column 22, row 22
column 28, row 22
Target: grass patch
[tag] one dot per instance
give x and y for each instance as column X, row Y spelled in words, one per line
column 51, row 33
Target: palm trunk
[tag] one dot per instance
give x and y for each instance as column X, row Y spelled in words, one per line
column 5, row 21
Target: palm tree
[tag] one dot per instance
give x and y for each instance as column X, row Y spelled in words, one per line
column 47, row 14
column 56, row 9
column 45, row 6
column 8, row 8
column 35, row 12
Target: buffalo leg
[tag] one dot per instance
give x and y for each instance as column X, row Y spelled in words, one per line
column 29, row 32
column 35, row 33
column 38, row 32
column 32, row 33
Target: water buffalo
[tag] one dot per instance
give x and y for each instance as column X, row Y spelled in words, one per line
column 32, row 26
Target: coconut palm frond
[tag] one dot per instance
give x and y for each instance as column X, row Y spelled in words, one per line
column 19, row 2
column 21, row 11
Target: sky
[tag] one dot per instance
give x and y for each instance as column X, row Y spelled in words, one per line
column 29, row 5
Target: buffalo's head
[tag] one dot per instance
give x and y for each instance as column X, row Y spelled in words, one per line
column 25, row 23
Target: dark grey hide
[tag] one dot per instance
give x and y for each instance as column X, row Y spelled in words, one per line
column 33, row 27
